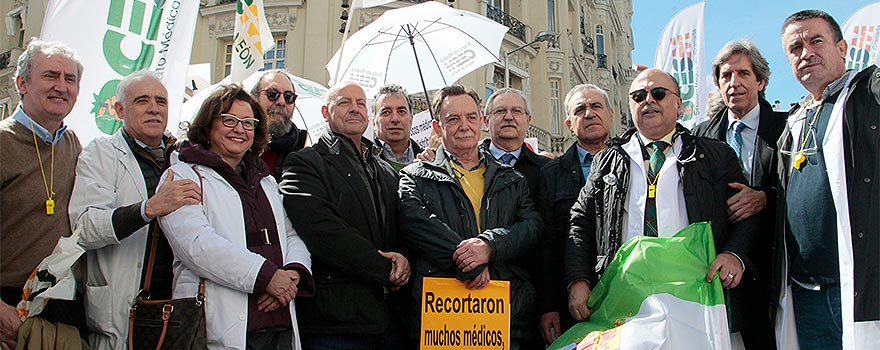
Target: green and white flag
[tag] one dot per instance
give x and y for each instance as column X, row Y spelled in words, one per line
column 654, row 295
column 252, row 38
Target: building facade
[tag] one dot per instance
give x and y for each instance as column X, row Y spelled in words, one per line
column 592, row 44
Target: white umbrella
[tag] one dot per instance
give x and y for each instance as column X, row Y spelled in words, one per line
column 307, row 114
column 420, row 47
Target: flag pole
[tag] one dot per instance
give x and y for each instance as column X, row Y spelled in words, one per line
column 342, row 45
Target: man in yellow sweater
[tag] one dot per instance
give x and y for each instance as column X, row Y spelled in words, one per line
column 39, row 158
column 465, row 215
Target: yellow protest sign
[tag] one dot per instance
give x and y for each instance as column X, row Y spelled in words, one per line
column 454, row 317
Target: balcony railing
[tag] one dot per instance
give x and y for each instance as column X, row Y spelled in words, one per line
column 517, row 28
column 224, row 2
column 542, row 135
column 5, row 58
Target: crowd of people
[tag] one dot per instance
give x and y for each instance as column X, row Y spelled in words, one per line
column 327, row 246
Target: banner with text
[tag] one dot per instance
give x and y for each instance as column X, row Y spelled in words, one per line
column 124, row 37
column 454, row 317
column 252, row 37
column 861, row 31
column 680, row 53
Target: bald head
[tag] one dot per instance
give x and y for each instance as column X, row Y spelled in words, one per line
column 655, row 103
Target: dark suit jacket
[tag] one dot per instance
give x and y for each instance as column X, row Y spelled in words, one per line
column 343, row 223
column 529, row 164
column 753, row 297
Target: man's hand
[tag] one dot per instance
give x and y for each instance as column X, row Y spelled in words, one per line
column 729, row 269
column 471, row 253
column 578, row 295
column 172, row 195
column 427, row 155
column 282, row 287
column 480, row 282
column 746, row 203
column 550, row 327
column 399, row 269
column 9, row 323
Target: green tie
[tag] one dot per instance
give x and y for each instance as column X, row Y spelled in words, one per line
column 655, row 163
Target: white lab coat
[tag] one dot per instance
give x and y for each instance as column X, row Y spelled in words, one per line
column 107, row 177
column 208, row 241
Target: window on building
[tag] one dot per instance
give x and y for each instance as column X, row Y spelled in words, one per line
column 551, row 16
column 600, row 40
column 554, row 105
column 275, row 57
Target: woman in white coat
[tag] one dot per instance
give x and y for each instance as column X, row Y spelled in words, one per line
column 239, row 239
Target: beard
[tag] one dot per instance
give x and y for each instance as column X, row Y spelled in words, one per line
column 278, row 126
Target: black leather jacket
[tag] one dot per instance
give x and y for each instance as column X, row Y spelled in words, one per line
column 705, row 167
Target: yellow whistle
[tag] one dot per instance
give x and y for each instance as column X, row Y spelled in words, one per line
column 50, row 206
column 799, row 160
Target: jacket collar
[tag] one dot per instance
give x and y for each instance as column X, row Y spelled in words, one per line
column 336, row 143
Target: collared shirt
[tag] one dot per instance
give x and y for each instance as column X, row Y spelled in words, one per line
column 20, row 116
column 454, row 158
column 406, row 158
column 749, row 135
column 671, row 208
column 586, row 159
column 497, row 153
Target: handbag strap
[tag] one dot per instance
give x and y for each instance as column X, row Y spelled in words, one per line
column 151, row 259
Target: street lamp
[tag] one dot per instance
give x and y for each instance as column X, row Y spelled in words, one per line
column 542, row 36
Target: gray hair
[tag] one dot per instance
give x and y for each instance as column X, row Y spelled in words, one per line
column 804, row 15
column 255, row 90
column 746, row 48
column 391, row 89
column 48, row 48
column 121, row 95
column 491, row 100
column 584, row 87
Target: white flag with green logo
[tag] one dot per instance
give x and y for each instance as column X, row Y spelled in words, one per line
column 115, row 38
column 654, row 295
column 251, row 38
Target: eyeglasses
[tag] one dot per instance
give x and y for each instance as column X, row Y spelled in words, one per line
column 658, row 93
column 230, row 121
column 273, row 94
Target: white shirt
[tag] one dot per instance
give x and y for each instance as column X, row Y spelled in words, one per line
column 671, row 208
column 750, row 137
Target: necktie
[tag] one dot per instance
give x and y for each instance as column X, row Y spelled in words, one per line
column 737, row 142
column 655, row 163
column 508, row 159
column 157, row 153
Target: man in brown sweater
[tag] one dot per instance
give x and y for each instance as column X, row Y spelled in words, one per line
column 39, row 158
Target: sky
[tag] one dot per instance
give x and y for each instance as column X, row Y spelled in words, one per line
column 725, row 20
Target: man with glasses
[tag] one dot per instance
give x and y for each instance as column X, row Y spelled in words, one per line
column 588, row 116
column 276, row 94
column 829, row 217
column 654, row 180
column 747, row 122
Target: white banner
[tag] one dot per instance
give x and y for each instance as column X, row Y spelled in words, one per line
column 861, row 31
column 122, row 37
column 680, row 53
column 252, row 37
column 420, row 131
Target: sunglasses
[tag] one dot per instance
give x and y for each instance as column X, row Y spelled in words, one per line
column 658, row 93
column 230, row 121
column 273, row 94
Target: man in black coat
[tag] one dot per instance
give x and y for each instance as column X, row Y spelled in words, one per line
column 654, row 180
column 342, row 200
column 749, row 125
column 589, row 118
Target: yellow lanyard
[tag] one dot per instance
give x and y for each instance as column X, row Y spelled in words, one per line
column 50, row 185
column 800, row 158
